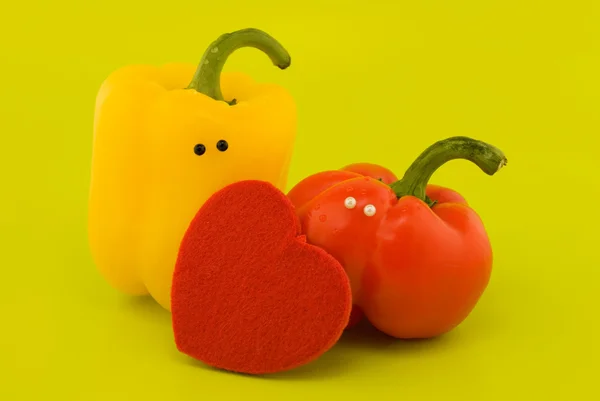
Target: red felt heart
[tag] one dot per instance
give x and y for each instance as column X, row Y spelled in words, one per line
column 249, row 294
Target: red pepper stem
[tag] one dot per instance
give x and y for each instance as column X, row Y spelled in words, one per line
column 207, row 79
column 414, row 183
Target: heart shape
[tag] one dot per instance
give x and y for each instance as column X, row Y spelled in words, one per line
column 249, row 295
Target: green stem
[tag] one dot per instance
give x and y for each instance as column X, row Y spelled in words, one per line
column 207, row 79
column 414, row 183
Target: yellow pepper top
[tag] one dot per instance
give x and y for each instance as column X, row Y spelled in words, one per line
column 163, row 145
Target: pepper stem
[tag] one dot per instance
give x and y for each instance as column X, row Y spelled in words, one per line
column 207, row 79
column 414, row 183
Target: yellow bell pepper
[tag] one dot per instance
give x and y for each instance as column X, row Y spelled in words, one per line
column 162, row 146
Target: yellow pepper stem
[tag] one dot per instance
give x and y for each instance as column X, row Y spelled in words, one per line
column 207, row 79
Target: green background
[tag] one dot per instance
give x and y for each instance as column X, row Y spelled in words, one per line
column 373, row 83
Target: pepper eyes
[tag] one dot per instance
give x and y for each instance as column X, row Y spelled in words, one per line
column 200, row 149
column 350, row 203
column 369, row 210
column 222, row 145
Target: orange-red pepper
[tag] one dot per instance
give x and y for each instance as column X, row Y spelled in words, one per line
column 418, row 257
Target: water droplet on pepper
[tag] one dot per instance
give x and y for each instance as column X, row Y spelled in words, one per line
column 323, row 218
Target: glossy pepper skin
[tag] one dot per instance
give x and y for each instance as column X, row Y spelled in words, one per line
column 162, row 146
column 308, row 189
column 418, row 257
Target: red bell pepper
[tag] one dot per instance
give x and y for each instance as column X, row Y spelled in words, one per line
column 418, row 257
column 372, row 170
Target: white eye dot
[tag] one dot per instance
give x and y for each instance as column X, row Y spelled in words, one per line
column 369, row 210
column 350, row 202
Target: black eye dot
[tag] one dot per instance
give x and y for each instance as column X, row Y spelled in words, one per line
column 199, row 149
column 222, row 145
